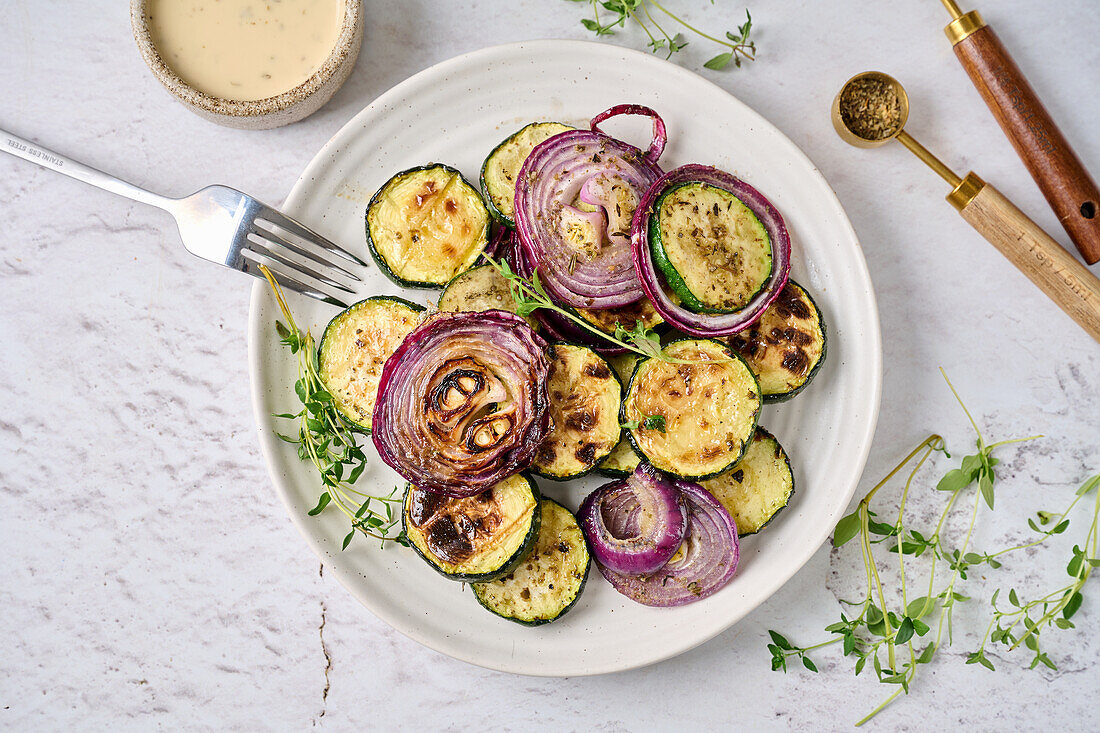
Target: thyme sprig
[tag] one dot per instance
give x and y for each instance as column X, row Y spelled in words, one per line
column 890, row 638
column 329, row 442
column 740, row 47
column 530, row 296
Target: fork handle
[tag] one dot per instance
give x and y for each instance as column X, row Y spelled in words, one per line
column 27, row 150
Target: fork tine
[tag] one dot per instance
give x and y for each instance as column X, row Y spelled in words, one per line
column 298, row 229
column 313, row 255
column 288, row 281
column 261, row 246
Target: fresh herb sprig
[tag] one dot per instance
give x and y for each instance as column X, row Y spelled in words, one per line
column 739, row 46
column 327, row 441
column 1024, row 621
column 889, row 639
column 530, row 296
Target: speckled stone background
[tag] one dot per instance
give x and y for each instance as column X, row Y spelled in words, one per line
column 150, row 577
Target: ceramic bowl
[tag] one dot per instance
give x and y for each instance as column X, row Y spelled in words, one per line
column 261, row 114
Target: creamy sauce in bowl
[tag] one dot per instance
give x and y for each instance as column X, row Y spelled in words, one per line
column 244, row 49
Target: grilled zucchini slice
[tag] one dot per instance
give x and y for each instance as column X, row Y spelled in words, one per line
column 622, row 460
column 585, row 395
column 426, row 225
column 548, row 583
column 478, row 289
column 712, row 250
column 757, row 487
column 474, row 538
column 710, row 407
column 786, row 347
column 501, row 169
column 355, row 345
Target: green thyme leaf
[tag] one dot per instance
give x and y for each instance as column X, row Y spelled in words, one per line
column 779, row 640
column 321, row 504
column 846, row 529
column 904, row 632
column 719, row 62
column 985, row 483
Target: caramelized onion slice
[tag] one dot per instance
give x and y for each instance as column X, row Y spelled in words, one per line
column 462, row 403
column 575, row 200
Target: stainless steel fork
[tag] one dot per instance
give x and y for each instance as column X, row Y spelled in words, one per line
column 223, row 225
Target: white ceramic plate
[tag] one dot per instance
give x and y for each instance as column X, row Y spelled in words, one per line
column 456, row 112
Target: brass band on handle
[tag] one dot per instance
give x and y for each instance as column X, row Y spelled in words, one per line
column 963, row 25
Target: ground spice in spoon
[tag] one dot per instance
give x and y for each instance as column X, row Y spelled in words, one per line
column 870, row 108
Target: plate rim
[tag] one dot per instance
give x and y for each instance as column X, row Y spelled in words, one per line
column 269, row 443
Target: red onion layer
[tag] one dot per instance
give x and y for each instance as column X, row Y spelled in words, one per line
column 705, row 563
column 462, row 402
column 583, row 256
column 660, row 137
column 634, row 525
column 706, row 324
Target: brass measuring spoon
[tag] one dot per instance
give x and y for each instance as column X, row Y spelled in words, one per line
column 1065, row 280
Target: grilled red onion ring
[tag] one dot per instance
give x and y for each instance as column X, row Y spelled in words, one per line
column 583, row 257
column 462, row 402
column 634, row 525
column 657, row 145
column 705, row 563
column 705, row 324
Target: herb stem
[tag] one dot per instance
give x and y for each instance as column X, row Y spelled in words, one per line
column 692, row 28
column 881, row 706
column 529, row 294
column 946, row 611
column 644, row 27
column 981, row 440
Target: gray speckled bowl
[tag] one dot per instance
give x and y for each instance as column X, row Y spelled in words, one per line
column 261, row 114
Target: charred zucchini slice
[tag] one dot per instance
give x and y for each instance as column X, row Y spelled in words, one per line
column 709, row 409
column 426, row 225
column 356, row 344
column 606, row 319
column 786, row 347
column 585, row 395
column 622, row 460
column 501, row 168
column 712, row 250
column 474, row 538
column 758, row 486
column 548, row 583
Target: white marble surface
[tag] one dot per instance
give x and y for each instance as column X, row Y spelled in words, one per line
column 150, row 577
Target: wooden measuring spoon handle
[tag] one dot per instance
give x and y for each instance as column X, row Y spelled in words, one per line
column 1062, row 178
column 1065, row 280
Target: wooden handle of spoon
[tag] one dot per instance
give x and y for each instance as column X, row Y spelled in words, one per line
column 1065, row 280
column 1064, row 181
